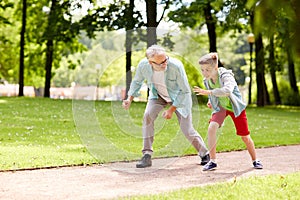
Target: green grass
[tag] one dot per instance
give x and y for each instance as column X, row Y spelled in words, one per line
column 38, row 132
column 268, row 187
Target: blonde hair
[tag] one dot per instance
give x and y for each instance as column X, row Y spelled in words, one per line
column 209, row 59
column 154, row 50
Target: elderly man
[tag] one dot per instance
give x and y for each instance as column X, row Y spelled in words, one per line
column 168, row 85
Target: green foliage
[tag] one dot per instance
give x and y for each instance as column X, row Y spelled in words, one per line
column 4, row 4
column 191, row 14
column 288, row 97
column 236, row 16
column 280, row 17
column 9, row 49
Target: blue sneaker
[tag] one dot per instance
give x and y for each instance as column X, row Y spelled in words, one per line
column 210, row 166
column 257, row 165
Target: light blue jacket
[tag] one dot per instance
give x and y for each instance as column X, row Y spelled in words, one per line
column 229, row 88
column 176, row 83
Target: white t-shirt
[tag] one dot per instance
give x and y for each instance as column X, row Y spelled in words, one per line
column 158, row 79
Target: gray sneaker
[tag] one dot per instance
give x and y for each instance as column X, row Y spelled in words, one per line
column 210, row 166
column 145, row 162
column 205, row 159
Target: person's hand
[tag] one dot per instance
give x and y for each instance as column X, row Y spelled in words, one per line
column 200, row 91
column 167, row 114
column 126, row 104
column 209, row 105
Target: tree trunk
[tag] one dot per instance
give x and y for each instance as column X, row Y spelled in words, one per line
column 251, row 16
column 128, row 44
column 49, row 59
column 22, row 46
column 291, row 67
column 250, row 75
column 49, row 48
column 151, row 22
column 211, row 27
column 273, row 70
column 262, row 92
column 211, row 30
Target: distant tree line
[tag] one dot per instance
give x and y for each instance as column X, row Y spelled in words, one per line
column 37, row 35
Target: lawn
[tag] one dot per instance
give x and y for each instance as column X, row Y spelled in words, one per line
column 38, row 132
column 268, row 187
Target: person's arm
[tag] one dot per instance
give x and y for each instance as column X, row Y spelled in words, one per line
column 200, row 91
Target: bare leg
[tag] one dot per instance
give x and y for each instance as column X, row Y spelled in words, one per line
column 212, row 139
column 250, row 146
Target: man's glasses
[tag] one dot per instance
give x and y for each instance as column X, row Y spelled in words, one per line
column 162, row 63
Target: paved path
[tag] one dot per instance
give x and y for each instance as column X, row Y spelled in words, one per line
column 123, row 179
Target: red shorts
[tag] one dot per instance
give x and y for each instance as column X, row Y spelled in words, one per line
column 240, row 122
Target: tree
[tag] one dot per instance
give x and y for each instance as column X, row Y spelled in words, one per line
column 59, row 29
column 128, row 44
column 7, row 49
column 262, row 92
column 197, row 14
column 124, row 19
column 283, row 18
column 63, row 29
column 291, row 64
column 22, row 45
column 273, row 68
column 152, row 23
column 122, row 16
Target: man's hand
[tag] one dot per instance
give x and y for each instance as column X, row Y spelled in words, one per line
column 200, row 91
column 167, row 114
column 126, row 103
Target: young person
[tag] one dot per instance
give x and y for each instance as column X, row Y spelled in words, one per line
column 224, row 99
column 168, row 85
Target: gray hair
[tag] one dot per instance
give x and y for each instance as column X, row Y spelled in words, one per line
column 154, row 50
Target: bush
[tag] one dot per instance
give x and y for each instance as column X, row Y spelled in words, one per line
column 288, row 96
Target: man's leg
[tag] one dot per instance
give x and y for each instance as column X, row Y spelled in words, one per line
column 152, row 110
column 191, row 134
